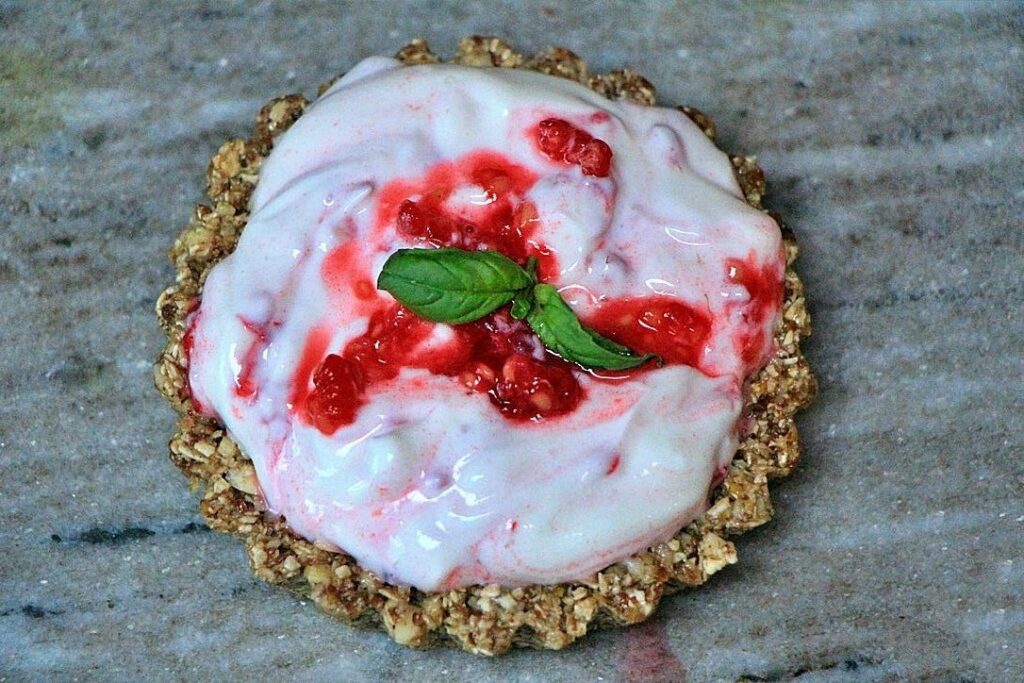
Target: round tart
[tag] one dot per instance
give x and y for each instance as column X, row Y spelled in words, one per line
column 503, row 354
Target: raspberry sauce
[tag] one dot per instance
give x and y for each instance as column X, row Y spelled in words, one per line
column 490, row 212
column 245, row 385
column 479, row 202
column 656, row 324
column 497, row 356
column 188, row 343
column 764, row 287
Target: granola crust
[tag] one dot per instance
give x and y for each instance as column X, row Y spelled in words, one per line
column 488, row 619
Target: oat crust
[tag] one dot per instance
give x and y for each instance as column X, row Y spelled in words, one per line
column 489, row 619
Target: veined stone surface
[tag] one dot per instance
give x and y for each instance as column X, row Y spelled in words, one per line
column 891, row 138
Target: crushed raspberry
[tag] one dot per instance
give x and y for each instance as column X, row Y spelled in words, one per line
column 562, row 141
column 416, row 220
column 656, row 324
column 494, row 356
column 338, row 393
column 387, row 343
column 495, row 181
column 504, row 221
column 497, row 355
column 530, row 389
column 479, row 377
column 554, row 137
column 341, row 381
column 594, row 158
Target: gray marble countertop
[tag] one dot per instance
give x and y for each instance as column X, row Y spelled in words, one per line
column 893, row 139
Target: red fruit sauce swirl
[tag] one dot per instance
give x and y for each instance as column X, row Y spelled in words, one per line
column 764, row 287
column 497, row 355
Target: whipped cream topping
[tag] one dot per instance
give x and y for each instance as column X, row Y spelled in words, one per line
column 429, row 484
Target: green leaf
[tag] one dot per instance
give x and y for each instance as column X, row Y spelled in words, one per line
column 521, row 306
column 452, row 285
column 562, row 332
column 531, row 267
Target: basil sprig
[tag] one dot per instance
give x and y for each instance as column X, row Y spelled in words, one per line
column 456, row 286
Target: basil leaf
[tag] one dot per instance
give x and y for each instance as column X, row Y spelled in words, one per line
column 562, row 332
column 452, row 285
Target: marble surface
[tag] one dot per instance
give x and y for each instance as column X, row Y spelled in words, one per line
column 892, row 135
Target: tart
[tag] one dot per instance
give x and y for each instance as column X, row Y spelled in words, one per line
column 480, row 480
